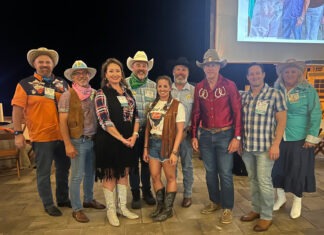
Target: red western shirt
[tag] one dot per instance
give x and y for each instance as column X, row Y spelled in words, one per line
column 217, row 108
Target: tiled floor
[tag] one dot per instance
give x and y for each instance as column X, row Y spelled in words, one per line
column 21, row 211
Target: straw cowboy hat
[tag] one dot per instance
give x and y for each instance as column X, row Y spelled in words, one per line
column 290, row 63
column 139, row 56
column 34, row 53
column 211, row 56
column 78, row 65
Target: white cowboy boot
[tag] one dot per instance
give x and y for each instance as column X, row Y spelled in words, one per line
column 110, row 197
column 281, row 199
column 122, row 200
column 296, row 207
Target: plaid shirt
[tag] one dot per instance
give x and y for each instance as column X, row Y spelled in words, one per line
column 259, row 125
column 103, row 113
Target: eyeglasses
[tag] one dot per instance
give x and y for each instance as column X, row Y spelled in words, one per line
column 79, row 73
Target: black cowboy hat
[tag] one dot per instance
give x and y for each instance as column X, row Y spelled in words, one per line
column 180, row 61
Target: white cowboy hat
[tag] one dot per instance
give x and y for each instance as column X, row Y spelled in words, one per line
column 290, row 63
column 211, row 56
column 139, row 56
column 79, row 65
column 34, row 53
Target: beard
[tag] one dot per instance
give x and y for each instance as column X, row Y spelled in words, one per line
column 180, row 81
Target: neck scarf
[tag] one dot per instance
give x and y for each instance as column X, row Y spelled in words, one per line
column 83, row 92
column 135, row 82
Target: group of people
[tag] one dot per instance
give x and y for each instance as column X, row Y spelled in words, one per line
column 101, row 133
column 104, row 134
column 286, row 19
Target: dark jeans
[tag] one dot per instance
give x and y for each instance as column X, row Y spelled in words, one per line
column 219, row 165
column 46, row 153
column 135, row 175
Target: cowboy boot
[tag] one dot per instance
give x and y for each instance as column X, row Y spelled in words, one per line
column 122, row 200
column 281, row 199
column 159, row 202
column 296, row 207
column 167, row 211
column 110, row 197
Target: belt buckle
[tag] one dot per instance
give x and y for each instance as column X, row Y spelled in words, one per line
column 216, row 130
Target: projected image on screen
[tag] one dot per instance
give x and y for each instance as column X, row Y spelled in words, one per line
column 297, row 21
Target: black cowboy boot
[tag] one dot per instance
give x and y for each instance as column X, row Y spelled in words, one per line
column 167, row 211
column 159, row 202
column 148, row 197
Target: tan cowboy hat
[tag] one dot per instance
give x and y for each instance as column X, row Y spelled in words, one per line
column 211, row 56
column 34, row 53
column 290, row 63
column 139, row 56
column 79, row 65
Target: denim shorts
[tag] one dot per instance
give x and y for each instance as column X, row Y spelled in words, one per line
column 155, row 149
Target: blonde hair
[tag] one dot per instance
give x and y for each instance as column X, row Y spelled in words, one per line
column 280, row 81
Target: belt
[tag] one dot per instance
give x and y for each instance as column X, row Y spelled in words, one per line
column 217, row 130
column 87, row 137
column 155, row 136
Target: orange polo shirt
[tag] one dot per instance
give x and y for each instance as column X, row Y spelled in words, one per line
column 40, row 109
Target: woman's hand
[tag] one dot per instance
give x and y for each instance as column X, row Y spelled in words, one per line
column 126, row 142
column 173, row 159
column 308, row 145
column 146, row 157
column 132, row 141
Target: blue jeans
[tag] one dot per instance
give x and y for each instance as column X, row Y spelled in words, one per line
column 313, row 21
column 218, row 164
column 288, row 26
column 82, row 168
column 135, row 176
column 259, row 168
column 46, row 153
column 186, row 163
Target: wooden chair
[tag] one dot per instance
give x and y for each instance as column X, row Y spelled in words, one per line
column 319, row 148
column 10, row 151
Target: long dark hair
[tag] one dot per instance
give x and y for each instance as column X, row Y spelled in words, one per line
column 157, row 98
column 104, row 67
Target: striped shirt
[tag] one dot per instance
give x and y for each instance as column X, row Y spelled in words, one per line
column 259, row 117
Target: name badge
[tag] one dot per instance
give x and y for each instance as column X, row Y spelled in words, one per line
column 261, row 106
column 49, row 93
column 293, row 98
column 149, row 94
column 122, row 100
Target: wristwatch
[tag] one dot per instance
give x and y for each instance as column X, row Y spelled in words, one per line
column 238, row 137
column 18, row 132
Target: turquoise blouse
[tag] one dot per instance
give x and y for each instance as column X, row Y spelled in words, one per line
column 304, row 113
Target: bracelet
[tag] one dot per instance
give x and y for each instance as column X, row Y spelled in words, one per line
column 301, row 18
column 145, row 147
column 175, row 153
column 136, row 133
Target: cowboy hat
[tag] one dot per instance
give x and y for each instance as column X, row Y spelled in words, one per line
column 78, row 65
column 211, row 56
column 34, row 53
column 139, row 56
column 180, row 61
column 290, row 63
